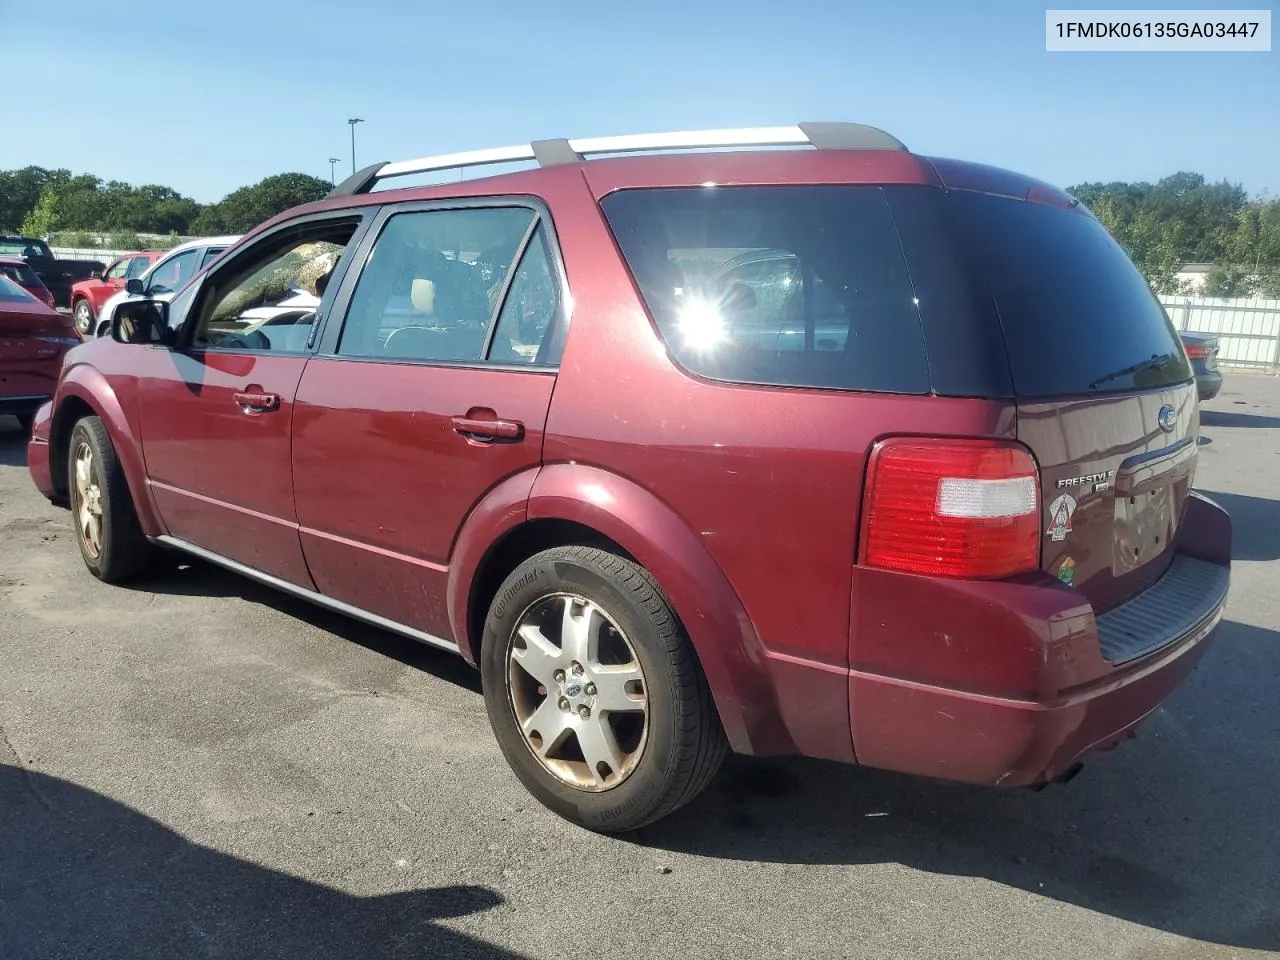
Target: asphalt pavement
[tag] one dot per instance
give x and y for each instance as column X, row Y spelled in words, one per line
column 198, row 766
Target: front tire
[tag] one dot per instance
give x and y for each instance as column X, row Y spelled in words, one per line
column 594, row 692
column 82, row 314
column 111, row 542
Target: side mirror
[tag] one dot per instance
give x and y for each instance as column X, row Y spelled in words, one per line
column 134, row 286
column 142, row 322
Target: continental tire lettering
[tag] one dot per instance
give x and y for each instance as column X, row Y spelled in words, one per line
column 500, row 608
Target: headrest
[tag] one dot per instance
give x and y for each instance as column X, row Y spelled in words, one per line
column 422, row 294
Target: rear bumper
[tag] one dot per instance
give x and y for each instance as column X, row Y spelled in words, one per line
column 1208, row 384
column 38, row 452
column 1012, row 683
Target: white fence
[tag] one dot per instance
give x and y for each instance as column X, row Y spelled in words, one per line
column 1248, row 331
column 88, row 253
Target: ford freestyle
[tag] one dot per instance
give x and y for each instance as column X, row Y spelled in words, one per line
column 835, row 450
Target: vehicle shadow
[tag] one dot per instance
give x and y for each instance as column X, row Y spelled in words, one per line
column 1175, row 831
column 1255, row 525
column 1224, row 418
column 84, row 875
column 13, row 443
column 191, row 577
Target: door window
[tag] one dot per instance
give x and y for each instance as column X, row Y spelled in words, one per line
column 437, row 280
column 267, row 298
column 118, row 269
column 172, row 274
column 136, row 267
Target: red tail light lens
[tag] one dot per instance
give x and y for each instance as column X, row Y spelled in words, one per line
column 952, row 508
column 1196, row 351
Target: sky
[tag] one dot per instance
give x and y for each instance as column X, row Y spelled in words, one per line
column 208, row 97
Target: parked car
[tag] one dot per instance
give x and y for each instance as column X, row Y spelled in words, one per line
column 57, row 274
column 165, row 277
column 959, row 540
column 1202, row 351
column 88, row 296
column 33, row 339
column 20, row 272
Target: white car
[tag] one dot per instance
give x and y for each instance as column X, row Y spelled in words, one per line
column 167, row 275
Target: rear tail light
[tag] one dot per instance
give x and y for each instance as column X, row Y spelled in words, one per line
column 1196, row 351
column 952, row 508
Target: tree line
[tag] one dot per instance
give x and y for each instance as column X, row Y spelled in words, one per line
column 1163, row 226
column 1182, row 219
column 35, row 201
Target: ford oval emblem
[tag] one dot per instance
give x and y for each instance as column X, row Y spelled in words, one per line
column 1168, row 419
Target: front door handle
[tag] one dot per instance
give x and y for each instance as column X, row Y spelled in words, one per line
column 257, row 402
column 477, row 429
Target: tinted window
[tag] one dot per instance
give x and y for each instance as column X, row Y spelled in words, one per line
column 532, row 304
column 798, row 286
column 432, row 284
column 1076, row 313
column 22, row 275
column 10, row 292
column 211, row 255
column 118, row 269
column 137, row 267
column 20, row 248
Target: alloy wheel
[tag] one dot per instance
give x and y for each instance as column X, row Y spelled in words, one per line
column 88, row 500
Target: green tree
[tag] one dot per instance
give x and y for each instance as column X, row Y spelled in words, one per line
column 1226, row 280
column 250, row 206
column 43, row 218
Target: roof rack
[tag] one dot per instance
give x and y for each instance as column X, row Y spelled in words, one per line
column 823, row 136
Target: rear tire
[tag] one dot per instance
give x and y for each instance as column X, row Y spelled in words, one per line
column 111, row 542
column 82, row 314
column 606, row 717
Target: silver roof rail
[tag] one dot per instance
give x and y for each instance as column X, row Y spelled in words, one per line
column 823, row 136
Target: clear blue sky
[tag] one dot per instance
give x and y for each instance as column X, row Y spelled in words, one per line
column 209, row 96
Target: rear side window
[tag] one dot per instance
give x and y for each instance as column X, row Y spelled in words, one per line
column 22, row 275
column 10, row 292
column 793, row 286
column 1077, row 315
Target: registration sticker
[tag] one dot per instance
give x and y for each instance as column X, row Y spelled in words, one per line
column 1060, row 512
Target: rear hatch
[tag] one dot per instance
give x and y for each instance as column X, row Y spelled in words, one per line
column 1104, row 395
column 28, row 329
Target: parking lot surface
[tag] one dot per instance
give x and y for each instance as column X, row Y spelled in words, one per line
column 198, row 766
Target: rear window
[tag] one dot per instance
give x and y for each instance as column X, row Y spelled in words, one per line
column 792, row 286
column 10, row 292
column 1077, row 315
column 21, row 248
column 22, row 275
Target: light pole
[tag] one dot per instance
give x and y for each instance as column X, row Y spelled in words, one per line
column 333, row 182
column 353, row 121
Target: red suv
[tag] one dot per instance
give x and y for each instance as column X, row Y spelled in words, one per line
column 845, row 452
column 88, row 296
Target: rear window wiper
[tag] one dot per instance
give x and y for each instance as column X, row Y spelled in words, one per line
column 1154, row 363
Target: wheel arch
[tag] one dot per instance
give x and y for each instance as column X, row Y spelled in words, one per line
column 84, row 392
column 567, row 504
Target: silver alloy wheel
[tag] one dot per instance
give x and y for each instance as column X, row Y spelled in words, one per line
column 88, row 500
column 83, row 317
column 578, row 692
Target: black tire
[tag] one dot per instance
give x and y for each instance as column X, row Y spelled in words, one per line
column 684, row 744
column 123, row 551
column 83, row 316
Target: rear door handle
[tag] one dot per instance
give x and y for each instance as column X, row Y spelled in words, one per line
column 257, row 402
column 488, row 429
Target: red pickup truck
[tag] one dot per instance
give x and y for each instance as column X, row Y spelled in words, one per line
column 88, row 296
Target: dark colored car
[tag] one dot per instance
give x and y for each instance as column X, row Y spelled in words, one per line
column 88, row 296
column 33, row 339
column 20, row 272
column 845, row 452
column 58, row 275
column 1202, row 351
